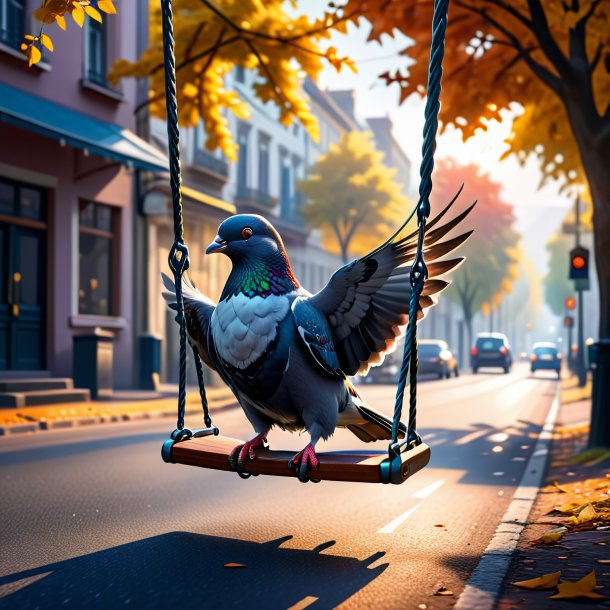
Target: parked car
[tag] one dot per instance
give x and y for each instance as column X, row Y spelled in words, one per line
column 493, row 350
column 545, row 356
column 436, row 358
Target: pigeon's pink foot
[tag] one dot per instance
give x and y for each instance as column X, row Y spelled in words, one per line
column 304, row 461
column 239, row 455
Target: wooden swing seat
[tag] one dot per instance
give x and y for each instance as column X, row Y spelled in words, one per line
column 356, row 466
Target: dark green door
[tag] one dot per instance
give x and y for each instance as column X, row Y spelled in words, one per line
column 22, row 298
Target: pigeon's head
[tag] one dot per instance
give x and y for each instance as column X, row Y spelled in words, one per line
column 247, row 236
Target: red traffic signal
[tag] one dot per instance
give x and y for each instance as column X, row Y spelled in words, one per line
column 568, row 321
column 579, row 263
column 570, row 303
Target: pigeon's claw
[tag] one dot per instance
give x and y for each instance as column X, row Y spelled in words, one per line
column 242, row 453
column 304, row 461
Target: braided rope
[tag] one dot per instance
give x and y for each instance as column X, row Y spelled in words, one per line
column 419, row 271
column 178, row 256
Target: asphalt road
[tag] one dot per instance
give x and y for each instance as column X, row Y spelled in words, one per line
column 92, row 518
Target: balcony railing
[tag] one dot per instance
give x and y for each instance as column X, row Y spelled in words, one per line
column 203, row 158
column 250, row 195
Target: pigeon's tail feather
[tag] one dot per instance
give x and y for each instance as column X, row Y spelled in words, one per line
column 365, row 422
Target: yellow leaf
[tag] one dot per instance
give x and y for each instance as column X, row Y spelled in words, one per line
column 544, row 582
column 46, row 41
column 106, row 6
column 567, row 509
column 588, row 513
column 581, row 588
column 78, row 14
column 33, row 54
column 93, row 13
column 30, row 37
column 235, row 565
column 443, row 591
column 60, row 20
column 552, row 535
column 559, row 488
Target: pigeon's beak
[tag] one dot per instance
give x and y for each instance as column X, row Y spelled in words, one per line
column 218, row 245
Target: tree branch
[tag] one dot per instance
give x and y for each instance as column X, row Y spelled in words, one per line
column 548, row 44
column 545, row 75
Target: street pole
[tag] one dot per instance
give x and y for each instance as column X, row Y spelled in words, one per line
column 580, row 354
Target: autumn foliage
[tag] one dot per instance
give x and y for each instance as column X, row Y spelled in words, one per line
column 492, row 252
column 54, row 12
column 353, row 197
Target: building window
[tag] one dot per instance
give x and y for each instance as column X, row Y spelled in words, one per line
column 96, row 257
column 22, row 200
column 96, row 64
column 12, row 22
column 242, row 160
column 240, row 74
column 263, row 163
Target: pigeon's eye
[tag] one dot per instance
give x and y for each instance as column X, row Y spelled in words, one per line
column 247, row 232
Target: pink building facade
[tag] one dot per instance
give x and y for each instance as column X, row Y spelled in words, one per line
column 70, row 165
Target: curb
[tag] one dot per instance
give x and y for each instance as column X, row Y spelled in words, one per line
column 224, row 404
column 485, row 583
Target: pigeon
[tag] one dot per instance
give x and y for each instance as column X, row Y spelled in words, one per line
column 285, row 353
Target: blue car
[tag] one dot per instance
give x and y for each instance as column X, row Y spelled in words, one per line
column 545, row 356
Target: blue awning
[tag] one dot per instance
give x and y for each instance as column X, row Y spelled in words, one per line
column 76, row 129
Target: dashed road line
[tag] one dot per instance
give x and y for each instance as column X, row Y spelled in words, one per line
column 420, row 494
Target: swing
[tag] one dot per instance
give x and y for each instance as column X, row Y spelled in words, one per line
column 205, row 447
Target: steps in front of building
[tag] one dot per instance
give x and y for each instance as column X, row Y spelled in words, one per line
column 39, row 397
column 35, row 384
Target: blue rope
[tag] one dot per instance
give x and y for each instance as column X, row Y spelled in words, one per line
column 178, row 256
column 419, row 271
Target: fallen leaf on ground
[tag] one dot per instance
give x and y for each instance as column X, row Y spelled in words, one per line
column 567, row 509
column 583, row 514
column 552, row 536
column 443, row 591
column 559, row 488
column 438, row 525
column 544, row 582
column 605, row 562
column 581, row 588
column 235, row 565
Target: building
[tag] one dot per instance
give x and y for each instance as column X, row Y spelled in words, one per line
column 69, row 168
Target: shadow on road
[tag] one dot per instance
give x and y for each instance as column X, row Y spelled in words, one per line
column 186, row 570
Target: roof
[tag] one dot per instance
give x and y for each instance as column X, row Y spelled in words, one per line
column 52, row 120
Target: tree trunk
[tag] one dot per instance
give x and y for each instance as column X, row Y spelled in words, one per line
column 594, row 147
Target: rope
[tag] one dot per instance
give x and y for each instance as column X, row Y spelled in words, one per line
column 419, row 271
column 178, row 256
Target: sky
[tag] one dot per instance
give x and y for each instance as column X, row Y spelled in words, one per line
column 538, row 212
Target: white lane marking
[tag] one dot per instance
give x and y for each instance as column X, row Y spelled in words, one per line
column 428, row 490
column 392, row 526
column 304, row 603
column 472, row 436
column 485, row 583
column 420, row 494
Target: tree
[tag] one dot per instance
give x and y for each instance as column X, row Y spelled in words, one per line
column 492, row 253
column 352, row 196
column 552, row 58
column 557, row 286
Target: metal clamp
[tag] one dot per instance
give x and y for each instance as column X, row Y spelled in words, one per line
column 184, row 434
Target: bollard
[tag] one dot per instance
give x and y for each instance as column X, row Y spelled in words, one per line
column 149, row 361
column 93, row 361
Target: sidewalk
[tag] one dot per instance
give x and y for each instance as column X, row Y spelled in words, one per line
column 120, row 406
column 568, row 531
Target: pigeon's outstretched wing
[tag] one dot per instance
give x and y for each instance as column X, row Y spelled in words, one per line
column 367, row 301
column 198, row 311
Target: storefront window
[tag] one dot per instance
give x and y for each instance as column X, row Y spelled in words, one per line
column 97, row 225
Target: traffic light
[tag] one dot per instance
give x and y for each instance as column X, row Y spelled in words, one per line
column 579, row 263
column 568, row 321
column 570, row 303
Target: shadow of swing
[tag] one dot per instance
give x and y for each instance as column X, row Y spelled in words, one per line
column 187, row 570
